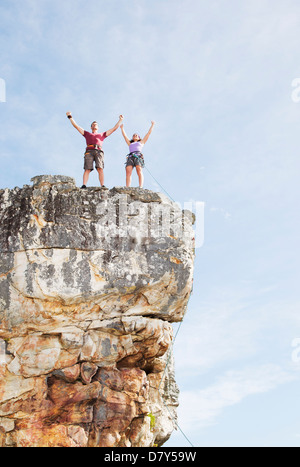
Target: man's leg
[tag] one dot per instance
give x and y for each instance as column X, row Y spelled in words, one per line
column 129, row 169
column 86, row 176
column 101, row 175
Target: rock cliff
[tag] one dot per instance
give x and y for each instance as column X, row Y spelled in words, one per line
column 90, row 282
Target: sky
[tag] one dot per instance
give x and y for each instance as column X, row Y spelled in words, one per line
column 221, row 79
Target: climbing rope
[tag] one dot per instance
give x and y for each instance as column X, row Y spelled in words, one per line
column 163, row 375
column 176, row 424
column 159, row 184
column 172, row 345
column 143, row 165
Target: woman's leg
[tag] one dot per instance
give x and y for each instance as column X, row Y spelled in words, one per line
column 128, row 175
column 140, row 175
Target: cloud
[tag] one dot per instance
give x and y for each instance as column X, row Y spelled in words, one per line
column 201, row 408
column 217, row 331
column 224, row 213
column 226, row 325
column 233, row 344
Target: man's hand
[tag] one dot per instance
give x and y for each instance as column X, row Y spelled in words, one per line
column 109, row 132
column 81, row 130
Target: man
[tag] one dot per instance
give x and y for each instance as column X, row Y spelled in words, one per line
column 94, row 152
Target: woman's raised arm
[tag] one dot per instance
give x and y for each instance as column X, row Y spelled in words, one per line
column 146, row 137
column 124, row 134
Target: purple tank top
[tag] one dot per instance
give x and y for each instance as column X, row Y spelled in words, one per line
column 136, row 147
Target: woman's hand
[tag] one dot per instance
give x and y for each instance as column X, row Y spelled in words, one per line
column 145, row 139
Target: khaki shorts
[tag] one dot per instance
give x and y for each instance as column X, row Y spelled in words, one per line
column 91, row 156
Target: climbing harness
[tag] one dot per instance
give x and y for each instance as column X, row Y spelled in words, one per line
column 135, row 155
column 93, row 146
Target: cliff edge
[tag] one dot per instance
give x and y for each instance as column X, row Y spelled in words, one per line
column 90, row 282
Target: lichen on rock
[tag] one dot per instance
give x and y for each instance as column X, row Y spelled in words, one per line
column 90, row 282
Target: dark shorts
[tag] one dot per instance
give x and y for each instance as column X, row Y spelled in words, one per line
column 91, row 156
column 134, row 161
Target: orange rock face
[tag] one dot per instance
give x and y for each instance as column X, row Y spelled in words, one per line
column 85, row 315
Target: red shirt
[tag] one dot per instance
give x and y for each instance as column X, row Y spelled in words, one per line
column 94, row 138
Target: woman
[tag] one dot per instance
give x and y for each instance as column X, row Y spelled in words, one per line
column 135, row 157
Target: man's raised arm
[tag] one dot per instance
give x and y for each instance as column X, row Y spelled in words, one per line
column 81, row 130
column 109, row 132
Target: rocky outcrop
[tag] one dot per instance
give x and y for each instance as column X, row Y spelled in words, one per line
column 90, row 282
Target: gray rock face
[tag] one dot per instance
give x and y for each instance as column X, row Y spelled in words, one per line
column 90, row 280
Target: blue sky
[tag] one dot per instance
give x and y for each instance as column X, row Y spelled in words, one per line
column 217, row 78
